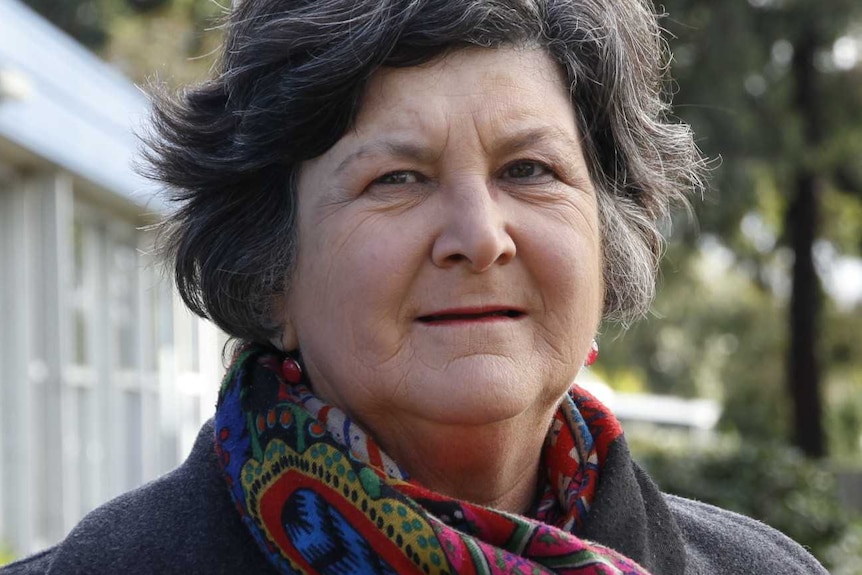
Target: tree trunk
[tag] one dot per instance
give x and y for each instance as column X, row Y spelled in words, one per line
column 803, row 360
column 802, row 230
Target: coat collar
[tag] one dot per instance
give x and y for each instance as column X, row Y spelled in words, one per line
column 630, row 515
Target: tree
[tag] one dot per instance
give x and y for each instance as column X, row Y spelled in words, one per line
column 84, row 20
column 757, row 82
column 172, row 41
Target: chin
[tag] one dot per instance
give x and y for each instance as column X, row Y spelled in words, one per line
column 467, row 398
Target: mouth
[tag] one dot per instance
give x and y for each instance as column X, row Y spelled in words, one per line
column 471, row 315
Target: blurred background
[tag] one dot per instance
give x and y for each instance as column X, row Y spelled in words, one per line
column 743, row 388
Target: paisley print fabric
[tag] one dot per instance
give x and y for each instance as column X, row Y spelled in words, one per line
column 320, row 497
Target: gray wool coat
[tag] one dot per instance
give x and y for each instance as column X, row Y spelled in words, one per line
column 185, row 523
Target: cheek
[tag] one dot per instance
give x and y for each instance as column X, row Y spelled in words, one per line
column 574, row 279
column 352, row 270
column 568, row 251
column 567, row 265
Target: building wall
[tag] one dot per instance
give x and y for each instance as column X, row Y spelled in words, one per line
column 105, row 377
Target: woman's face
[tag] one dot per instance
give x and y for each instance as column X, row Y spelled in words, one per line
column 449, row 249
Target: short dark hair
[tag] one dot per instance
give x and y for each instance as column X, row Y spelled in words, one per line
column 291, row 77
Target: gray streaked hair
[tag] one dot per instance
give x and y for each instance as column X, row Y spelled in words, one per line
column 291, row 78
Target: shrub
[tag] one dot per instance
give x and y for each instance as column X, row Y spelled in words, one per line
column 773, row 483
column 845, row 556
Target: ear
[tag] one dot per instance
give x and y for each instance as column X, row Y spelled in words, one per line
column 288, row 340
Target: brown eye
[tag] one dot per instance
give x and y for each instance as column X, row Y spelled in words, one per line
column 527, row 170
column 398, row 178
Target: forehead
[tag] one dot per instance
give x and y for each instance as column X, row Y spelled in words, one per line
column 487, row 84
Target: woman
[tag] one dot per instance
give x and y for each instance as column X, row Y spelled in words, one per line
column 414, row 215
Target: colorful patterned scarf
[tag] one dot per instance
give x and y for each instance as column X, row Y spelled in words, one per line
column 319, row 496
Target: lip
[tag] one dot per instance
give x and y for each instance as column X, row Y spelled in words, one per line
column 472, row 315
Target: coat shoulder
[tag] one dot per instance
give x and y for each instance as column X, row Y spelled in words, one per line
column 181, row 523
column 720, row 542
column 130, row 534
column 36, row 564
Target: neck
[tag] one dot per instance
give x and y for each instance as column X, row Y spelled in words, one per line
column 494, row 465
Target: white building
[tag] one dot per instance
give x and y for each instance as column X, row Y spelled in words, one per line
column 645, row 414
column 105, row 378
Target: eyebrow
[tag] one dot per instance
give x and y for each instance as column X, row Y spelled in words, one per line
column 513, row 143
column 396, row 148
column 532, row 137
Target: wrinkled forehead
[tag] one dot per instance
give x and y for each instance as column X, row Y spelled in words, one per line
column 497, row 100
column 504, row 89
column 508, row 67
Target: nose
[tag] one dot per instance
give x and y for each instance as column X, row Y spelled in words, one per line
column 475, row 232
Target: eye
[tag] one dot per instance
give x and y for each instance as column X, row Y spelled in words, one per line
column 399, row 178
column 528, row 170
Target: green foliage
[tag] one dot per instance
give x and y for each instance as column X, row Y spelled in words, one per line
column 844, row 414
column 175, row 45
column 770, row 482
column 740, row 95
column 84, row 20
column 145, row 6
column 718, row 332
column 844, row 555
column 172, row 41
column 725, row 334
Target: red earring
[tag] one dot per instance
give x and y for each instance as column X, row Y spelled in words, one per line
column 290, row 370
column 593, row 355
